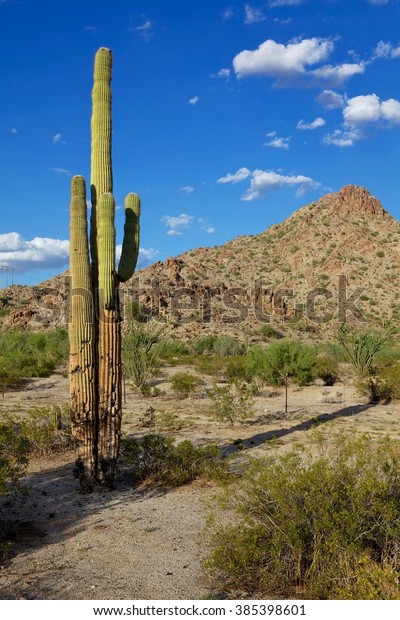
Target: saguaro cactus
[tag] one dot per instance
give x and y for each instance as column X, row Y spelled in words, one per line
column 95, row 325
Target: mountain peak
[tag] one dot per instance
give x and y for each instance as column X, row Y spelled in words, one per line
column 356, row 199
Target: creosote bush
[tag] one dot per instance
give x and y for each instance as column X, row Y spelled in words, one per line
column 184, row 384
column 286, row 357
column 232, row 402
column 142, row 346
column 315, row 527
column 158, row 459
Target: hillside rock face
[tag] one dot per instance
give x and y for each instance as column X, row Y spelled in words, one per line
column 331, row 261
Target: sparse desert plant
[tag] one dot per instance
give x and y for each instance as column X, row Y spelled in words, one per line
column 142, row 345
column 159, row 459
column 327, row 369
column 382, row 386
column 362, row 347
column 268, row 332
column 315, row 527
column 232, row 402
column 47, row 429
column 184, row 384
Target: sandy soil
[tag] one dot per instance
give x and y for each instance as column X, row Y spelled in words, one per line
column 148, row 544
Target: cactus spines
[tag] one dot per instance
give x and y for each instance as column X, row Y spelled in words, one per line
column 95, row 327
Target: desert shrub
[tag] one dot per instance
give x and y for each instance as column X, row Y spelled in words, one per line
column 47, row 429
column 184, row 384
column 327, row 369
column 142, row 345
column 236, row 368
column 268, row 332
column 362, row 347
column 222, row 346
column 14, row 452
column 285, row 358
column 315, row 527
column 232, row 402
column 175, row 352
column 383, row 386
column 213, row 365
column 158, row 459
column 25, row 354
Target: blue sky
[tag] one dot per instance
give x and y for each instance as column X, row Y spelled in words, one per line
column 227, row 116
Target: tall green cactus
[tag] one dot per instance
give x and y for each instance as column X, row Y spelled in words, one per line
column 95, row 325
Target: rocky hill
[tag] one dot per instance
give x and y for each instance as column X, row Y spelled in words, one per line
column 333, row 260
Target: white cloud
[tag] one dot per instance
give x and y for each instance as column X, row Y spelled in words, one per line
column 194, row 100
column 222, row 73
column 177, row 223
column 337, row 75
column 385, row 50
column 330, row 100
column 145, row 30
column 318, row 122
column 291, row 63
column 240, row 175
column 61, row 171
column 205, row 226
column 210, row 230
column 278, row 142
column 276, row 3
column 186, row 189
column 57, row 138
column 14, row 130
column 342, row 137
column 39, row 253
column 263, row 181
column 365, row 109
column 252, row 15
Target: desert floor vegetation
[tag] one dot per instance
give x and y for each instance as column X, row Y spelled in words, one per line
column 210, row 425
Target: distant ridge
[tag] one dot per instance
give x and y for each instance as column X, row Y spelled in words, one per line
column 342, row 249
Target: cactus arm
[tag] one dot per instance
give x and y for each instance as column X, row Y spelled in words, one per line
column 130, row 244
column 106, row 250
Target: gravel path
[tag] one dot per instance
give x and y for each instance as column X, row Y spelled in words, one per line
column 123, row 544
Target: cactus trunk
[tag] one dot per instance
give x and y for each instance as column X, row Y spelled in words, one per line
column 95, row 328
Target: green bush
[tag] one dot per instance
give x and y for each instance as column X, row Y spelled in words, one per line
column 383, row 386
column 142, row 345
column 362, row 347
column 315, row 527
column 184, row 384
column 158, row 459
column 327, row 369
column 25, row 354
column 222, row 346
column 285, row 358
column 232, row 402
column 268, row 332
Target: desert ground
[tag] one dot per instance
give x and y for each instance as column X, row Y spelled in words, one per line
column 149, row 543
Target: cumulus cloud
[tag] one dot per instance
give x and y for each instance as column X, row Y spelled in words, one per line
column 318, row 122
column 292, row 63
column 222, row 73
column 277, row 142
column 205, row 226
column 39, row 253
column 57, row 138
column 263, row 181
column 187, row 189
column 240, row 175
column 330, row 100
column 252, row 15
column 194, row 100
column 365, row 109
column 342, row 137
column 176, row 224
